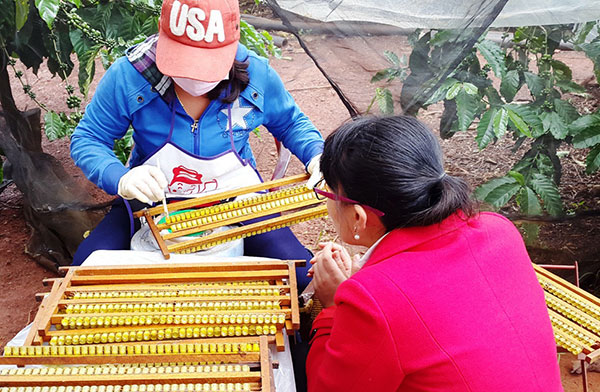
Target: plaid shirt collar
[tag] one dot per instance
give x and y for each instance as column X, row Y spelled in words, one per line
column 143, row 58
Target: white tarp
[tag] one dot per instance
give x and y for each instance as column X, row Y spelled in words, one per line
column 446, row 14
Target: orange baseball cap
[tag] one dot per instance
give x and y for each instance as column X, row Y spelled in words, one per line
column 198, row 39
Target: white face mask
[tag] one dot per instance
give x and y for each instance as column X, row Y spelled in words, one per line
column 193, row 87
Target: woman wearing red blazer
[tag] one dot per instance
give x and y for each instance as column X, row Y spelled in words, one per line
column 443, row 300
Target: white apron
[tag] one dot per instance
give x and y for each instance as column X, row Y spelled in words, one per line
column 190, row 175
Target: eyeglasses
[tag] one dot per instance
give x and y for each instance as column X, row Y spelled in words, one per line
column 322, row 195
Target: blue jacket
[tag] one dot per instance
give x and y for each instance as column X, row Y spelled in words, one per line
column 124, row 98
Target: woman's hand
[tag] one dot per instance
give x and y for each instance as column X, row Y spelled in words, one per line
column 331, row 266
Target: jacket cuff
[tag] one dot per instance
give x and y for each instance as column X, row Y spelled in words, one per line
column 313, row 149
column 111, row 176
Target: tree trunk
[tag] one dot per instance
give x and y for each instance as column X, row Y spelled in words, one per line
column 56, row 207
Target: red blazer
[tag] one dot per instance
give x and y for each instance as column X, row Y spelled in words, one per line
column 454, row 306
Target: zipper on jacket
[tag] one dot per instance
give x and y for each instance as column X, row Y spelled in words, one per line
column 196, row 134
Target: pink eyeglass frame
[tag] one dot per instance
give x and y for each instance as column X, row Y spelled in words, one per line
column 335, row 197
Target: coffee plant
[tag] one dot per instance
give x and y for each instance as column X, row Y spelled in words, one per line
column 538, row 125
column 34, row 31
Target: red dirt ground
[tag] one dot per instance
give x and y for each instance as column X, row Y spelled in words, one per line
column 566, row 242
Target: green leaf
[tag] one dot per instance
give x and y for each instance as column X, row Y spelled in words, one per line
column 569, row 86
column 587, row 138
column 470, row 88
column 518, row 122
column 548, row 192
column 566, row 111
column 21, row 12
column 592, row 49
column 554, row 124
column 87, row 68
column 441, row 92
column 494, row 55
column 528, row 202
column 544, row 165
column 500, row 122
column 77, row 3
column 485, row 129
column 530, row 116
column 483, row 191
column 54, row 126
column 583, row 123
column 500, row 195
column 534, row 83
column 592, row 161
column 392, row 58
column 561, row 70
column 517, row 176
column 443, row 36
column 466, row 109
column 453, row 91
column 384, row 100
column 48, row 10
column 510, row 85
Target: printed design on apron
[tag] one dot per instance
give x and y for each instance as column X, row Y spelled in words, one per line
column 188, row 181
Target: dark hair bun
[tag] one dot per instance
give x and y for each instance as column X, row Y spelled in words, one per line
column 394, row 164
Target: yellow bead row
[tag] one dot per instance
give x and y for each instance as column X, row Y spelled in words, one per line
column 199, row 387
column 169, row 319
column 202, row 246
column 567, row 344
column 570, row 298
column 162, row 334
column 198, row 306
column 119, row 349
column 174, row 294
column 569, row 330
column 122, row 370
column 579, row 317
column 236, row 204
column 196, row 221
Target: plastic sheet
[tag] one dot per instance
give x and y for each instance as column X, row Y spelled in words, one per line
column 444, row 14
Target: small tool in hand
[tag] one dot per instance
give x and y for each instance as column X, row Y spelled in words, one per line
column 164, row 200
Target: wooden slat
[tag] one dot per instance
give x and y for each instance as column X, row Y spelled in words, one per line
column 265, row 367
column 171, row 287
column 116, row 270
column 294, row 295
column 41, row 322
column 283, row 300
column 240, row 358
column 279, row 341
column 124, row 379
column 180, row 277
column 182, row 205
column 156, row 233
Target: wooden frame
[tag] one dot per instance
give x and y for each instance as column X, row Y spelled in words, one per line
column 299, row 200
column 575, row 315
column 153, row 303
column 256, row 375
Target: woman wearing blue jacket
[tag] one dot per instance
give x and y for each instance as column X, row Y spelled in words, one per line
column 192, row 94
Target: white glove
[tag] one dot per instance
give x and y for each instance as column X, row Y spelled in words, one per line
column 314, row 170
column 145, row 183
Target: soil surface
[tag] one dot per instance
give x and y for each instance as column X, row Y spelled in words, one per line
column 354, row 61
